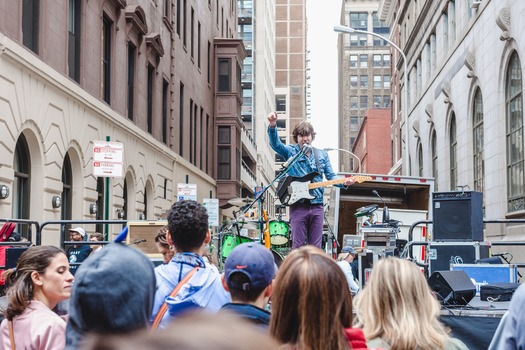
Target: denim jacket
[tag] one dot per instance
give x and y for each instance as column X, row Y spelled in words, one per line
column 305, row 165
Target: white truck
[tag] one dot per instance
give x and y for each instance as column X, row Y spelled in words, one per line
column 409, row 200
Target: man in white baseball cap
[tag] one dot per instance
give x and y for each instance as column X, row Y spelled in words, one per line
column 78, row 252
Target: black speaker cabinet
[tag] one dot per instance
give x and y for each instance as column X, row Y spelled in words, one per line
column 457, row 216
column 452, row 287
column 441, row 254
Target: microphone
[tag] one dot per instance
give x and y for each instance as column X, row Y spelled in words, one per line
column 306, row 148
column 500, row 254
column 386, row 213
column 292, row 159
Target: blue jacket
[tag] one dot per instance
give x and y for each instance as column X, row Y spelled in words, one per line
column 203, row 290
column 305, row 165
column 253, row 313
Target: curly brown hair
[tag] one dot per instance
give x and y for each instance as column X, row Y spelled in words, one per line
column 303, row 129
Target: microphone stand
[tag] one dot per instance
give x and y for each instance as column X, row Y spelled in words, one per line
column 335, row 242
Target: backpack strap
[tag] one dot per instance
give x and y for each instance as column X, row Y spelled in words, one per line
column 174, row 292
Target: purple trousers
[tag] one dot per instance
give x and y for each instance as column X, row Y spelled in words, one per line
column 306, row 221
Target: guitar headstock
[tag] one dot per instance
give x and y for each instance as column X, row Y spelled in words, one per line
column 361, row 178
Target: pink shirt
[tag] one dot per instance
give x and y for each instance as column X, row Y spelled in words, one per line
column 37, row 328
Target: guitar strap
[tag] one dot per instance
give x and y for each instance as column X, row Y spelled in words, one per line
column 316, row 160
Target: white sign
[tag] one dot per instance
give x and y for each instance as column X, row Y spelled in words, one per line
column 186, row 191
column 108, row 159
column 212, row 206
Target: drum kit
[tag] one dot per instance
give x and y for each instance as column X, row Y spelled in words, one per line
column 280, row 241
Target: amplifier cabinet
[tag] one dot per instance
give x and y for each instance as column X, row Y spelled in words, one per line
column 441, row 255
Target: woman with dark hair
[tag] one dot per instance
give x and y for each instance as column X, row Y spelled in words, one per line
column 312, row 304
column 39, row 282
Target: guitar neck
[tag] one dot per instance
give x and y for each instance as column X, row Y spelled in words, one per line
column 327, row 183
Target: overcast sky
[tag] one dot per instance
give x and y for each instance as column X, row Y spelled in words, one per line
column 322, row 43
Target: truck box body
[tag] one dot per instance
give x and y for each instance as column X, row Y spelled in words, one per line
column 406, row 193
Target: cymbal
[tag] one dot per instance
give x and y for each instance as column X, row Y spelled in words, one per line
column 239, row 202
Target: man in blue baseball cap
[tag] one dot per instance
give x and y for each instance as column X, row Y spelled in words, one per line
column 249, row 271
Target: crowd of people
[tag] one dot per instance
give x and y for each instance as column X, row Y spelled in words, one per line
column 112, row 297
column 118, row 299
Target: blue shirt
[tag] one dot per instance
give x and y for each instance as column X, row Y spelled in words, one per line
column 305, row 165
column 203, row 290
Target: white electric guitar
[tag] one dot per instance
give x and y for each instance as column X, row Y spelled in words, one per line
column 296, row 188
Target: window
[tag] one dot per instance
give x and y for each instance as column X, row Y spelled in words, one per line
column 363, row 61
column 192, row 31
column 359, row 20
column 280, row 102
column 377, row 82
column 107, row 26
column 377, row 61
column 386, row 81
column 181, row 119
column 192, row 140
column 364, row 81
column 132, row 52
column 445, row 34
column 363, row 102
column 514, row 134
column 209, row 63
column 353, row 61
column 206, row 141
column 100, row 204
column 67, row 190
column 381, row 29
column 178, row 17
column 22, row 183
column 353, row 102
column 30, row 24
column 453, row 154
column 434, row 161
column 184, row 22
column 73, row 48
column 386, row 60
column 199, row 45
column 151, row 82
column 353, row 81
column 358, row 40
column 377, row 101
column 386, row 101
column 224, row 153
column 478, row 137
column 165, row 109
column 224, row 75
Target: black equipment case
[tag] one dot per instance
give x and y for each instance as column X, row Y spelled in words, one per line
column 497, row 291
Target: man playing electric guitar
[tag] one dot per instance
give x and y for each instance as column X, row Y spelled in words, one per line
column 306, row 214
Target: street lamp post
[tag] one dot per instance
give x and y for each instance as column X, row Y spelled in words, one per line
column 347, row 151
column 406, row 154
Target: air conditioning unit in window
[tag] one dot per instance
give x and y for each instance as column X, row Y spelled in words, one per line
column 475, row 4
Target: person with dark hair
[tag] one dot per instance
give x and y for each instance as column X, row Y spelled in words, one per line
column 96, row 237
column 39, row 282
column 248, row 274
column 312, row 305
column 199, row 283
column 161, row 241
column 306, row 215
column 78, row 252
column 122, row 309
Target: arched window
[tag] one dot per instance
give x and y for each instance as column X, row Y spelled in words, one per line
column 146, row 202
column 22, row 183
column 514, row 133
column 478, row 144
column 420, row 159
column 434, row 160
column 453, row 154
column 67, row 189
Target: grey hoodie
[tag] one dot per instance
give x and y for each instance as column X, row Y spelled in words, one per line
column 113, row 293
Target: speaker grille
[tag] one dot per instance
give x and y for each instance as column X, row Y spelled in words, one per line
column 457, row 216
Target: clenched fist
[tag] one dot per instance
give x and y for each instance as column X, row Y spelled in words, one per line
column 272, row 119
